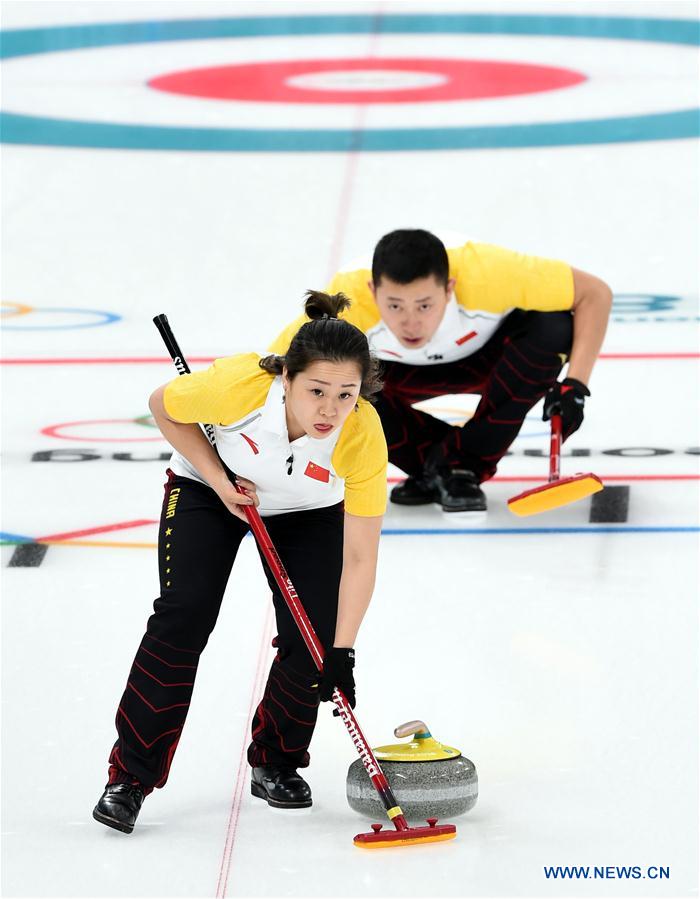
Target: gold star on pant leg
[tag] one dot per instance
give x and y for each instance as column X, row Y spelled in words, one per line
column 168, row 532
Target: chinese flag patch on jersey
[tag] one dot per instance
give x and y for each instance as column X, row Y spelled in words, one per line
column 317, row 473
column 465, row 338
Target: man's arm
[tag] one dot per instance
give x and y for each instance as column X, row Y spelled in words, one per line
column 592, row 304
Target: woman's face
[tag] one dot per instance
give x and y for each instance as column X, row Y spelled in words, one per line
column 320, row 398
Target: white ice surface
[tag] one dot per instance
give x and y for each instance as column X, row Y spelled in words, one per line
column 564, row 664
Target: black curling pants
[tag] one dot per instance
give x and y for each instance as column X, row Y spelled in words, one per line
column 512, row 371
column 197, row 544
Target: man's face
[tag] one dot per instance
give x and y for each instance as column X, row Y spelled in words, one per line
column 413, row 311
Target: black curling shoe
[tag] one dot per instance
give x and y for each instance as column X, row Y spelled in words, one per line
column 280, row 787
column 459, row 491
column 413, row 492
column 119, row 806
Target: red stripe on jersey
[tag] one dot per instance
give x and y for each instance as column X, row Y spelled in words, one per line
column 465, row 338
column 391, row 353
column 251, row 443
column 317, row 473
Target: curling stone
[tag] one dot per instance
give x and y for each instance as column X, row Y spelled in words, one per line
column 428, row 778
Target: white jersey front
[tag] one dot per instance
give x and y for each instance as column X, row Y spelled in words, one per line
column 461, row 332
column 289, row 475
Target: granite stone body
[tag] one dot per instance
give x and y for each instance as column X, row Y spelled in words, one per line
column 438, row 789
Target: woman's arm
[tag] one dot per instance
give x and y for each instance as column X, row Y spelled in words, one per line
column 190, row 442
column 360, row 548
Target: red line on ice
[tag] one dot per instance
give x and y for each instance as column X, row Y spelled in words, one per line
column 147, row 360
column 603, row 477
column 104, row 529
column 649, row 356
column 102, row 360
column 241, row 778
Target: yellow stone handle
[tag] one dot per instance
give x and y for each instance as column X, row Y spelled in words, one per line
column 410, row 728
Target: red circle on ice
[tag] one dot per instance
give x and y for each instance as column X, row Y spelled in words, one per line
column 58, row 431
column 367, row 80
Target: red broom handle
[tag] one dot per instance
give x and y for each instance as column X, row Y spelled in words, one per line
column 314, row 646
column 555, row 448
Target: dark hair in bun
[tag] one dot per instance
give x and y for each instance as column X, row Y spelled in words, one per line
column 327, row 338
column 319, row 305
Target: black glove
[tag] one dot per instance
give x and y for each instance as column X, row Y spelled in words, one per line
column 337, row 672
column 566, row 398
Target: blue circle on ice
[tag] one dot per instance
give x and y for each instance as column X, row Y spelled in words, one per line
column 96, row 318
column 26, row 129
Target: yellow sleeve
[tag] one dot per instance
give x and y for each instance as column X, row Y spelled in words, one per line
column 361, row 458
column 363, row 312
column 221, row 394
column 495, row 279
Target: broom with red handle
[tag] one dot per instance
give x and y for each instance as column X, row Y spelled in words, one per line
column 558, row 491
column 403, row 834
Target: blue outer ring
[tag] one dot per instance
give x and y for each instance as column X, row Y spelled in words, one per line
column 108, row 318
column 23, row 129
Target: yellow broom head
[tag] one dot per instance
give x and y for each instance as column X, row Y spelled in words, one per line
column 555, row 494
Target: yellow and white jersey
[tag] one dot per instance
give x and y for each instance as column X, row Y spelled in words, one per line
column 245, row 405
column 489, row 283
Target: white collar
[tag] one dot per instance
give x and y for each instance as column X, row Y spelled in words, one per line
column 446, row 328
